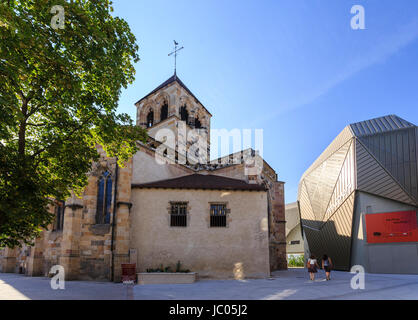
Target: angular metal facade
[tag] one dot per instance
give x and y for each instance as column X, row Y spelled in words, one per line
column 377, row 156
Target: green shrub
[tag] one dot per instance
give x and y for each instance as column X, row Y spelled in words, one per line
column 296, row 261
column 168, row 269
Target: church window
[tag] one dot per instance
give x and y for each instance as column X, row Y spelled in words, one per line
column 164, row 111
column 59, row 216
column 104, row 199
column 178, row 214
column 197, row 123
column 218, row 213
column 184, row 114
column 150, row 119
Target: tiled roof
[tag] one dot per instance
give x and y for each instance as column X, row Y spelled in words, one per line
column 202, row 181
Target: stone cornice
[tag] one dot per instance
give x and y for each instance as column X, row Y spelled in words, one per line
column 74, row 206
column 129, row 204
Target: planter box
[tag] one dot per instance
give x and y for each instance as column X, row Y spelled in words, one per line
column 166, row 277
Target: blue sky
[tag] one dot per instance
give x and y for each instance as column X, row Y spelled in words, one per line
column 293, row 68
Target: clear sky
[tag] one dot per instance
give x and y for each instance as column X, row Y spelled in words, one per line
column 293, row 68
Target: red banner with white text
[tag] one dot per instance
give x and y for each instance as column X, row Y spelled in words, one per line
column 388, row 227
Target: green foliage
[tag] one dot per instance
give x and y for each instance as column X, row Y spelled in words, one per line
column 168, row 269
column 59, row 94
column 296, row 261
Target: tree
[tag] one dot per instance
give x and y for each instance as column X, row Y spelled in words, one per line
column 59, row 95
column 296, row 260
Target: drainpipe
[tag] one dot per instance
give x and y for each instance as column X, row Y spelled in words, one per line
column 114, row 223
column 268, row 213
column 268, row 221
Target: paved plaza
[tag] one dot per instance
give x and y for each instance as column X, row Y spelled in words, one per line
column 290, row 284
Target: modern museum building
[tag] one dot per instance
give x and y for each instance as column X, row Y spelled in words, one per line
column 358, row 201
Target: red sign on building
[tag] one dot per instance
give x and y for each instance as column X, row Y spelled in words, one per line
column 387, row 227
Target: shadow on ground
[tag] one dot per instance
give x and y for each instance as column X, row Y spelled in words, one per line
column 291, row 284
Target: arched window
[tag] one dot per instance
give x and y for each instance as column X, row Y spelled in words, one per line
column 59, row 216
column 184, row 114
column 104, row 198
column 150, row 119
column 164, row 111
column 197, row 123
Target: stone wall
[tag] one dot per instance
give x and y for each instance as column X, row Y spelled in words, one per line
column 278, row 259
column 82, row 247
column 2, row 253
column 52, row 249
column 277, row 221
column 146, row 169
column 238, row 250
column 8, row 261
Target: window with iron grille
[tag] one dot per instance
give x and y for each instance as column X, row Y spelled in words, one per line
column 218, row 213
column 178, row 215
column 59, row 216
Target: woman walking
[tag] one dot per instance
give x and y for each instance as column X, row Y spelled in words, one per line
column 327, row 266
column 312, row 266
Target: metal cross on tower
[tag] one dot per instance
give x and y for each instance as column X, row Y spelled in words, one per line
column 175, row 55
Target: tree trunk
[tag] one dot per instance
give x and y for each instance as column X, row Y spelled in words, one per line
column 22, row 129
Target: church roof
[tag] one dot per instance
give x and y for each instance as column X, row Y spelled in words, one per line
column 169, row 81
column 202, row 181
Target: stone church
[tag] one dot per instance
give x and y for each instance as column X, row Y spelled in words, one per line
column 221, row 218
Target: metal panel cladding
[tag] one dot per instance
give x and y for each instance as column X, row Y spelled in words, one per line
column 378, row 156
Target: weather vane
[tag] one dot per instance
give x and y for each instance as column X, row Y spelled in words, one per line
column 175, row 55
